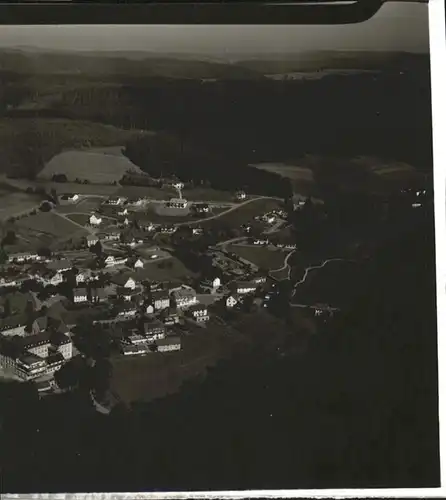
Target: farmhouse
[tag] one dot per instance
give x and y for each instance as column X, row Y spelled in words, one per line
column 240, row 195
column 196, row 231
column 169, row 344
column 95, row 220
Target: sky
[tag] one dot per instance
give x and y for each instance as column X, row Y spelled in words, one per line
column 397, row 26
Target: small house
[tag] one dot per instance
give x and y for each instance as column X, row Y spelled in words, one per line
column 80, row 295
column 231, row 301
column 95, row 220
column 199, row 312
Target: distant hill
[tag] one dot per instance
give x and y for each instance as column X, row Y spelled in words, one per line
column 129, row 64
column 323, row 60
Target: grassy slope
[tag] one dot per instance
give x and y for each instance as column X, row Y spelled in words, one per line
column 45, row 138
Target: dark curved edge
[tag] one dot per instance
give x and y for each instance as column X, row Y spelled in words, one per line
column 191, row 13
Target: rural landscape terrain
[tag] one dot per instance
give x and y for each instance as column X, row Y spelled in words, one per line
column 218, row 259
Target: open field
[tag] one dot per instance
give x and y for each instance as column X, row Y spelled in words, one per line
column 155, row 375
column 86, row 205
column 97, row 166
column 293, row 172
column 158, row 374
column 74, row 187
column 48, row 223
column 48, row 137
column 171, row 270
column 12, row 204
column 245, row 213
column 262, row 257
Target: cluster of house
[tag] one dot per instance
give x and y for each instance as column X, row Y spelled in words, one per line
column 36, row 351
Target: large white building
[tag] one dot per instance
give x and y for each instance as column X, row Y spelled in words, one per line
column 36, row 355
column 177, row 203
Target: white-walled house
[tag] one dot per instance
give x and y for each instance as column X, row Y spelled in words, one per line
column 80, row 295
column 95, row 220
column 216, row 282
column 231, row 301
column 139, row 264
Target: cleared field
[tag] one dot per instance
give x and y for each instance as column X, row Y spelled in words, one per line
column 49, row 137
column 207, row 194
column 294, row 172
column 245, row 212
column 146, row 191
column 260, row 256
column 74, row 187
column 164, row 270
column 48, row 223
column 86, row 205
column 81, row 219
column 12, row 204
column 98, row 166
column 155, row 375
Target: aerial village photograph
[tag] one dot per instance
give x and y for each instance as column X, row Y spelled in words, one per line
column 217, row 260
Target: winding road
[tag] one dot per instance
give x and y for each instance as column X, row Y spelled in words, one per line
column 320, row 266
column 285, row 265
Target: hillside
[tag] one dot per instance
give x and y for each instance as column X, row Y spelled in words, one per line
column 27, row 144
